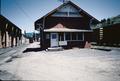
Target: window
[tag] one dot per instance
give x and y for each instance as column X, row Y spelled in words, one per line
column 67, row 35
column 74, row 14
column 74, row 36
column 60, row 14
column 80, row 36
column 54, row 36
column 61, row 36
column 47, row 36
column 77, row 36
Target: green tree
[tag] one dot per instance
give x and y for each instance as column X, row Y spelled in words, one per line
column 108, row 21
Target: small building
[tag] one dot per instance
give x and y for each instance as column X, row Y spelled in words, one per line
column 107, row 35
column 67, row 26
column 10, row 34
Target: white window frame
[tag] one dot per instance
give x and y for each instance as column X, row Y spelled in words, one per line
column 76, row 37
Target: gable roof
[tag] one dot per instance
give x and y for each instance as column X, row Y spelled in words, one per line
column 3, row 18
column 40, row 20
column 69, row 2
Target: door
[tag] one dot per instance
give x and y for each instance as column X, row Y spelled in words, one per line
column 54, row 39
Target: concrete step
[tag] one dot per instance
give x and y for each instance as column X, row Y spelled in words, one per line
column 54, row 49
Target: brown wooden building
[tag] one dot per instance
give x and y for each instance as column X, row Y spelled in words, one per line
column 107, row 35
column 10, row 34
column 66, row 26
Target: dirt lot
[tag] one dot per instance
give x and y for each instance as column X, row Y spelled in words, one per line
column 68, row 65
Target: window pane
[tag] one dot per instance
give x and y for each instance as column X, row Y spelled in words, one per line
column 80, row 36
column 54, row 36
column 61, row 37
column 67, row 35
column 74, row 14
column 60, row 14
column 47, row 36
column 73, row 36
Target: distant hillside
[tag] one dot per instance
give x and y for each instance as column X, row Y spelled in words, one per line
column 32, row 35
column 29, row 35
column 116, row 19
column 107, row 22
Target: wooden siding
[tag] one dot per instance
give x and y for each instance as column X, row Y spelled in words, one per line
column 70, row 43
column 10, row 34
column 70, row 16
column 73, row 23
column 110, row 35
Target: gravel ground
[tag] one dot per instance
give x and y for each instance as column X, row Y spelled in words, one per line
column 68, row 65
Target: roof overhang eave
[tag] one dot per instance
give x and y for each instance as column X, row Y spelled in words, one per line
column 68, row 31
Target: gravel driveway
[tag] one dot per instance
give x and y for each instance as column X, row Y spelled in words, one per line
column 68, row 65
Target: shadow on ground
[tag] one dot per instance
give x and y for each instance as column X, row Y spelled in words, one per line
column 32, row 50
column 5, row 75
column 103, row 49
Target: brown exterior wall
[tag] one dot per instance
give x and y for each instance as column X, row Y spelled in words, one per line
column 73, row 23
column 95, row 35
column 46, row 40
column 110, row 35
column 69, row 22
column 8, row 34
column 70, row 44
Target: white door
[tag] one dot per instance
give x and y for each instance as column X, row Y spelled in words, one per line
column 54, row 39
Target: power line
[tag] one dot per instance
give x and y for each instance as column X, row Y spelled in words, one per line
column 23, row 11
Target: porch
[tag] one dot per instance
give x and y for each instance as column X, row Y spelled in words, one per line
column 65, row 39
column 61, row 36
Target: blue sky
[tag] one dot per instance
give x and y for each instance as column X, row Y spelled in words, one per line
column 24, row 13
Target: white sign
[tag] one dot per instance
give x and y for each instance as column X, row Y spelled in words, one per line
column 62, row 43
